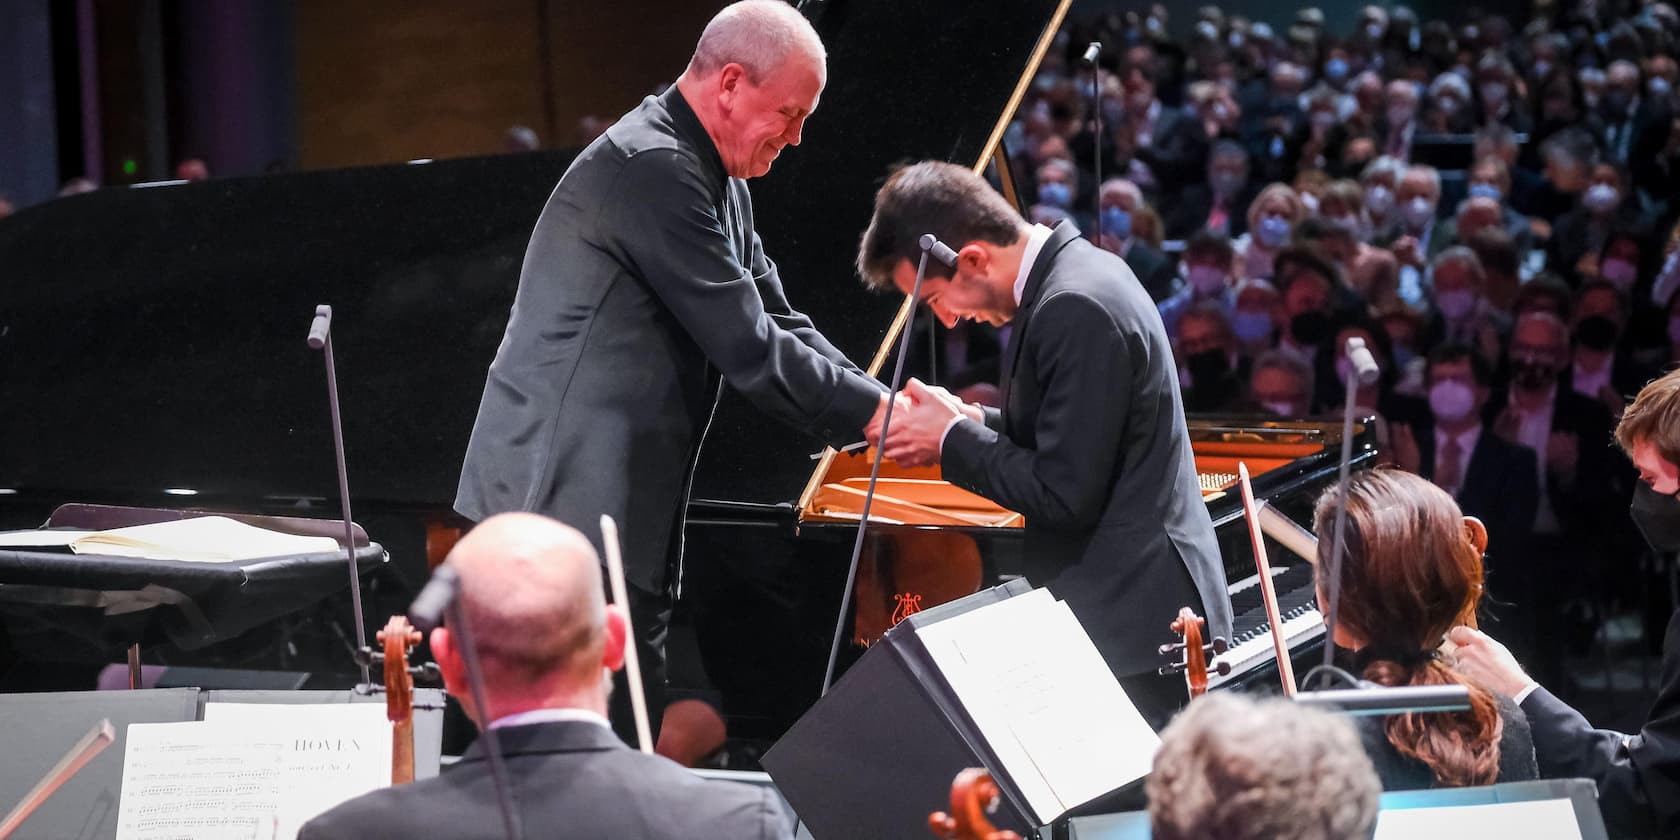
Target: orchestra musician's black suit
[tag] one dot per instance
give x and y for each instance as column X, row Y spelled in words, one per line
column 569, row 779
column 1091, row 447
column 1638, row 775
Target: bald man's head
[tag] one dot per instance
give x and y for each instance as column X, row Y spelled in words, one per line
column 531, row 588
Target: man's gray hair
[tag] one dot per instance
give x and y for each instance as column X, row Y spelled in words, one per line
column 1384, row 165
column 1462, row 256
column 1236, row 769
column 1276, row 359
column 759, row 35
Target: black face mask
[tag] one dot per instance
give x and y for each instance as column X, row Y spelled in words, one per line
column 1658, row 518
column 1207, row 368
column 1596, row 333
column 1310, row 328
column 1532, row 376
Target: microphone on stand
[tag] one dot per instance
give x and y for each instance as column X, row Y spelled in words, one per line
column 943, row 253
column 1362, row 370
column 320, row 338
column 440, row 599
column 1092, row 52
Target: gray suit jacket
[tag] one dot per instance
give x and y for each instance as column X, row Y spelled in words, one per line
column 1091, row 447
column 643, row 283
column 570, row 779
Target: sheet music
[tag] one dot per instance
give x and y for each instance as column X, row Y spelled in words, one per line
column 256, row 772
column 1542, row 819
column 1046, row 703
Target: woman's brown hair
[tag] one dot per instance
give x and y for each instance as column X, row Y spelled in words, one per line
column 1413, row 570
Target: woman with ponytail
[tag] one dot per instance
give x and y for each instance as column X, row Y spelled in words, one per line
column 1412, row 571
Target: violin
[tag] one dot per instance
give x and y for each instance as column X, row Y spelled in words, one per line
column 973, row 795
column 399, row 637
column 1198, row 657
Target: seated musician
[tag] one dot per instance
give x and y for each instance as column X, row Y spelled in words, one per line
column 1638, row 775
column 1090, row 444
column 531, row 587
column 1412, row 570
column 1240, row 769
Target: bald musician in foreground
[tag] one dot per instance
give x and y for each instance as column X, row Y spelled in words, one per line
column 1638, row 775
column 531, row 588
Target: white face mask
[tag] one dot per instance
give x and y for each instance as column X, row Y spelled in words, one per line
column 1281, row 409
column 1205, row 279
column 1419, row 212
column 1379, row 200
column 1451, row 400
column 1601, row 198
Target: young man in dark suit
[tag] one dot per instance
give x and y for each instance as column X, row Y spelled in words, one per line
column 1090, row 445
column 644, row 289
column 548, row 644
column 1638, row 775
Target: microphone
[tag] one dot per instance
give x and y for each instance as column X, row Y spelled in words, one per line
column 930, row 245
column 320, row 327
column 440, row 597
column 320, row 338
column 1364, row 366
column 429, row 606
column 939, row 250
column 1361, row 369
column 1091, row 54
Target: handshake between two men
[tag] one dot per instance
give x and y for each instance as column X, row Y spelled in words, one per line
column 921, row 415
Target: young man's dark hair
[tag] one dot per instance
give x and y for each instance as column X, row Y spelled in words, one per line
column 931, row 197
column 1206, row 243
column 1449, row 353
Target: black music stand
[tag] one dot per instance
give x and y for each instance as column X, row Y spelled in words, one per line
column 125, row 602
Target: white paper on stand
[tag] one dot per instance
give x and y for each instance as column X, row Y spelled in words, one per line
column 1543, row 819
column 1048, row 707
column 243, row 775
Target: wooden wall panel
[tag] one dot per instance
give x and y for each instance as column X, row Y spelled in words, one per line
column 391, row 80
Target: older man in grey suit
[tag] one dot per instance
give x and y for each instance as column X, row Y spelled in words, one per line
column 644, row 289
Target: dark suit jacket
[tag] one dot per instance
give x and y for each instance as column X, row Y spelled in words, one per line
column 1501, row 487
column 569, row 779
column 1154, row 269
column 1638, row 775
column 643, row 282
column 1189, row 211
column 1091, row 447
column 1590, row 503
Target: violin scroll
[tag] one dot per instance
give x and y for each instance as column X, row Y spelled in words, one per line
column 974, row 794
column 398, row 637
column 1198, row 657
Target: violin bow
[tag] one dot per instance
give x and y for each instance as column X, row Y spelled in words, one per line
column 1268, row 592
column 632, row 666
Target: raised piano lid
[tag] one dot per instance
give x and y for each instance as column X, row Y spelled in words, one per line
column 153, row 338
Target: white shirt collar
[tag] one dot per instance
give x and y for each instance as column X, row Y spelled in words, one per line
column 1035, row 243
column 536, row 716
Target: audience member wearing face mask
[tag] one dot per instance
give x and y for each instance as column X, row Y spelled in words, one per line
column 1603, row 209
column 1579, row 482
column 1490, row 180
column 1212, row 372
column 1206, row 263
column 1221, row 203
column 1183, row 138
column 1307, row 317
column 1254, row 320
column 1281, row 385
column 1123, row 212
column 1491, row 478
column 1461, row 314
column 1601, row 368
column 1380, row 178
column 1271, row 219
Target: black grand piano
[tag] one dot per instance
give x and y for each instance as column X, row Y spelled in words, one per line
column 152, row 353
